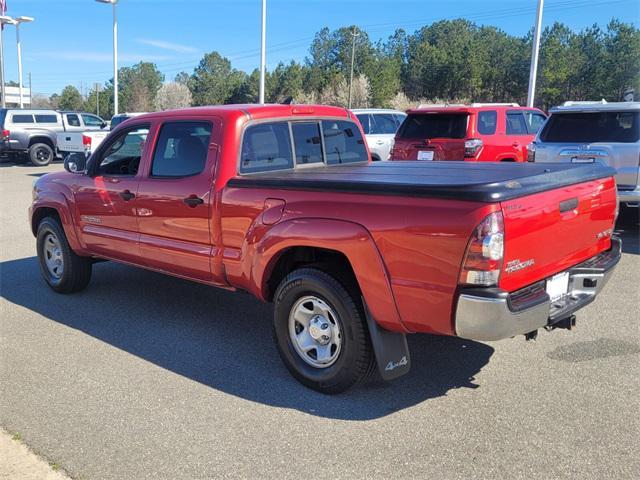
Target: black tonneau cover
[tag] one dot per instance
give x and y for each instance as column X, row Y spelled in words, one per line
column 482, row 182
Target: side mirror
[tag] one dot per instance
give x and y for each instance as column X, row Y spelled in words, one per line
column 103, row 125
column 75, row 163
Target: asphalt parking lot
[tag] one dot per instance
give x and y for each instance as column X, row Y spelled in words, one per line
column 147, row 376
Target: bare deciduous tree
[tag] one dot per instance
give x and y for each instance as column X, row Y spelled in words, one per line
column 338, row 93
column 173, row 95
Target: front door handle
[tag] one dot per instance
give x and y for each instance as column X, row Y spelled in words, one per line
column 516, row 144
column 193, row 201
column 127, row 195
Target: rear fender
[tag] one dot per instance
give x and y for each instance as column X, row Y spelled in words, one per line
column 350, row 239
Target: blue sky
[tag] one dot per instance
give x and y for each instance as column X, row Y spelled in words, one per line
column 70, row 41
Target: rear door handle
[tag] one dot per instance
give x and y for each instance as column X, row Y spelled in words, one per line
column 516, row 144
column 127, row 195
column 193, row 201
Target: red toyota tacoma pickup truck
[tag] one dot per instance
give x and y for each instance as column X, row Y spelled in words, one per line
column 282, row 201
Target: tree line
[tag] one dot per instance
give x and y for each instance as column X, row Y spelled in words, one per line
column 447, row 61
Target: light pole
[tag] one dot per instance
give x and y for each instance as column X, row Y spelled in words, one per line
column 20, row 20
column 263, row 51
column 4, row 20
column 533, row 71
column 353, row 56
column 115, row 53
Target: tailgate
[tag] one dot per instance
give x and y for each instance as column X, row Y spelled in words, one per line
column 433, row 149
column 548, row 232
column 70, row 142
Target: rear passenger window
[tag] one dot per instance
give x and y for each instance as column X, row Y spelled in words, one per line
column 181, row 149
column 343, row 142
column 266, row 147
column 534, row 121
column 364, row 118
column 44, row 118
column 383, row 124
column 307, row 142
column 22, row 118
column 516, row 124
column 487, row 122
column 73, row 120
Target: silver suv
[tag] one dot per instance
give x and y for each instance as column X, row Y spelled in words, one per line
column 582, row 132
column 380, row 126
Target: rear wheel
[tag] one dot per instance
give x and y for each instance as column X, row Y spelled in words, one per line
column 62, row 269
column 320, row 331
column 41, row 154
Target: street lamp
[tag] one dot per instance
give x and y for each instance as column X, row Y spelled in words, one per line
column 4, row 20
column 18, row 21
column 115, row 53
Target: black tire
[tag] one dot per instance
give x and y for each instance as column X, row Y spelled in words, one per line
column 41, row 154
column 76, row 271
column 355, row 357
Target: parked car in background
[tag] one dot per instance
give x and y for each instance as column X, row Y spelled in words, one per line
column 121, row 117
column 38, row 134
column 483, row 132
column 585, row 132
column 283, row 202
column 380, row 127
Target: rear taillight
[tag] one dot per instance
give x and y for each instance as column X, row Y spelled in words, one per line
column 86, row 142
column 5, row 135
column 531, row 152
column 472, row 147
column 483, row 259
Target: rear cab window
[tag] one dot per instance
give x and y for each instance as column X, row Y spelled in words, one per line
column 589, row 127
column 282, row 145
column 435, row 125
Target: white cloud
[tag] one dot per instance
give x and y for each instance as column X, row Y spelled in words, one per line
column 172, row 47
column 100, row 57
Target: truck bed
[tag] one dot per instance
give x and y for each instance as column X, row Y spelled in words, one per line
column 481, row 182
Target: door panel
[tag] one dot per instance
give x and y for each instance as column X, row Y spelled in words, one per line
column 174, row 202
column 106, row 199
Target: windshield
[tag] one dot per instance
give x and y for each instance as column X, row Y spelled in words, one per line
column 579, row 127
column 435, row 125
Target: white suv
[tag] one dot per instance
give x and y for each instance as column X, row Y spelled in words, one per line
column 380, row 128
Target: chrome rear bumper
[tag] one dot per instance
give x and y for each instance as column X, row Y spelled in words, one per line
column 494, row 314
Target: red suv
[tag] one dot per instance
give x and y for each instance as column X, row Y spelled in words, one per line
column 482, row 132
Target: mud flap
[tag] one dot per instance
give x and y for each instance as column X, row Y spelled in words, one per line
column 390, row 348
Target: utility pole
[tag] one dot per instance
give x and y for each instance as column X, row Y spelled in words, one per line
column 97, row 99
column 2, row 79
column 263, row 51
column 533, row 72
column 354, row 34
column 30, row 92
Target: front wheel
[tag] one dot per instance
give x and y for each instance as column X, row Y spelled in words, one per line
column 320, row 331
column 62, row 269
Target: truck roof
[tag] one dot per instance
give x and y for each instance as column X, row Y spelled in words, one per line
column 255, row 111
column 488, row 182
column 597, row 107
column 474, row 107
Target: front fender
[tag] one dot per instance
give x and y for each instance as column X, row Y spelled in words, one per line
column 58, row 202
column 350, row 239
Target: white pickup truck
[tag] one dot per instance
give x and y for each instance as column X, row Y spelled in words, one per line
column 80, row 142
